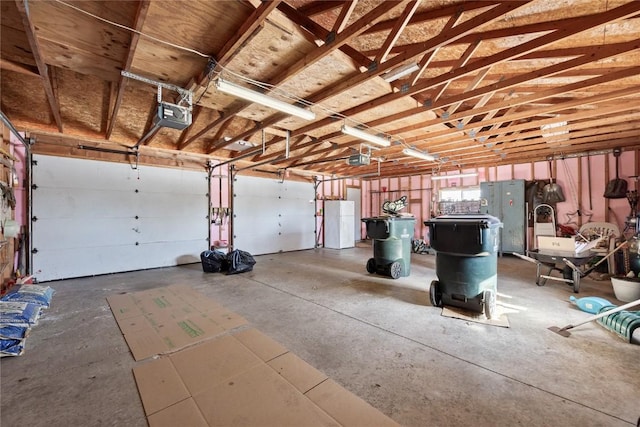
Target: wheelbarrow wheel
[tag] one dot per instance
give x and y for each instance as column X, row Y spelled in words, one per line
column 395, row 269
column 489, row 304
column 371, row 266
column 434, row 294
column 576, row 281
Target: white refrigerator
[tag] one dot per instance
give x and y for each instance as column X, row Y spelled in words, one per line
column 339, row 224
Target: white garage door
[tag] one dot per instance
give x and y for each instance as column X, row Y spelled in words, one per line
column 92, row 217
column 270, row 216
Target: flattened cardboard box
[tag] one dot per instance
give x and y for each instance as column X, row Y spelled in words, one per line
column 246, row 379
column 167, row 319
column 227, row 375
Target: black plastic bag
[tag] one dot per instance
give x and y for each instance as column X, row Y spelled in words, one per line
column 213, row 261
column 239, row 262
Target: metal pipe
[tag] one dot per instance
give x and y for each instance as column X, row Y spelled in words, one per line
column 13, row 130
column 242, row 156
column 209, row 173
column 107, row 150
column 260, row 164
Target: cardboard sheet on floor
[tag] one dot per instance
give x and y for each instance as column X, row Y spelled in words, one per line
column 214, row 369
column 245, row 378
column 499, row 320
column 167, row 319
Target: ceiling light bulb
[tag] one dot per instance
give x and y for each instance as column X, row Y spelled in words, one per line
column 357, row 133
column 268, row 101
column 418, row 154
column 400, row 72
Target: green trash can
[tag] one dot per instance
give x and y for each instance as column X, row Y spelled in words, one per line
column 466, row 247
column 391, row 245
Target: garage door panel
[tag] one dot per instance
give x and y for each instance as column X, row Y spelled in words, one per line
column 181, row 182
column 157, row 230
column 67, row 202
column 297, row 205
column 82, row 173
column 66, row 233
column 156, row 204
column 248, row 186
column 87, row 211
column 272, row 216
column 64, row 263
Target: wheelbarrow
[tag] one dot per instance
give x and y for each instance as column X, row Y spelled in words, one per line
column 573, row 265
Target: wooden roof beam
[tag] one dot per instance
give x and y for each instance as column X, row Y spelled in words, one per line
column 250, row 25
column 568, row 104
column 424, row 62
column 319, row 7
column 18, row 68
column 141, row 14
column 341, row 39
column 348, row 34
column 621, row 12
column 491, row 90
column 461, row 62
column 437, row 41
column 305, row 62
column 431, row 15
column 43, row 68
column 361, row 61
column 245, row 32
column 518, row 115
column 576, row 130
column 493, row 109
column 440, row 40
column 343, row 18
column 396, row 31
column 471, row 86
column 598, row 53
column 218, row 137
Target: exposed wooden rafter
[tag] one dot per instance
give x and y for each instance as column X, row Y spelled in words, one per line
column 141, row 14
column 43, row 68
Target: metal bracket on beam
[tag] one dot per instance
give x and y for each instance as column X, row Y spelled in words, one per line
column 185, row 94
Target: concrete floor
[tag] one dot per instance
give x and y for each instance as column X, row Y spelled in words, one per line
column 378, row 337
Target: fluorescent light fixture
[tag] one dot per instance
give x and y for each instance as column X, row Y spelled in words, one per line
column 458, row 175
column 374, row 139
column 418, row 154
column 268, row 101
column 400, row 72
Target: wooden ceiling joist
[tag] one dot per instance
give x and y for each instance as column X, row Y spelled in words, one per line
column 492, row 76
column 43, row 68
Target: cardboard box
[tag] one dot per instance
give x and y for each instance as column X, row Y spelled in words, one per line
column 567, row 245
column 167, row 319
column 226, row 373
column 225, row 381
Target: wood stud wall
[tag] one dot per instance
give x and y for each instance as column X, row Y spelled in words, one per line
column 7, row 244
column 426, row 191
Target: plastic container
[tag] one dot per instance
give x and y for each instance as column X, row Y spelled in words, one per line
column 591, row 305
column 626, row 289
column 466, row 261
column 624, row 323
column 391, row 245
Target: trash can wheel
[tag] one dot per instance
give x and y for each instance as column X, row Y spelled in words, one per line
column 371, row 266
column 434, row 294
column 489, row 300
column 395, row 269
